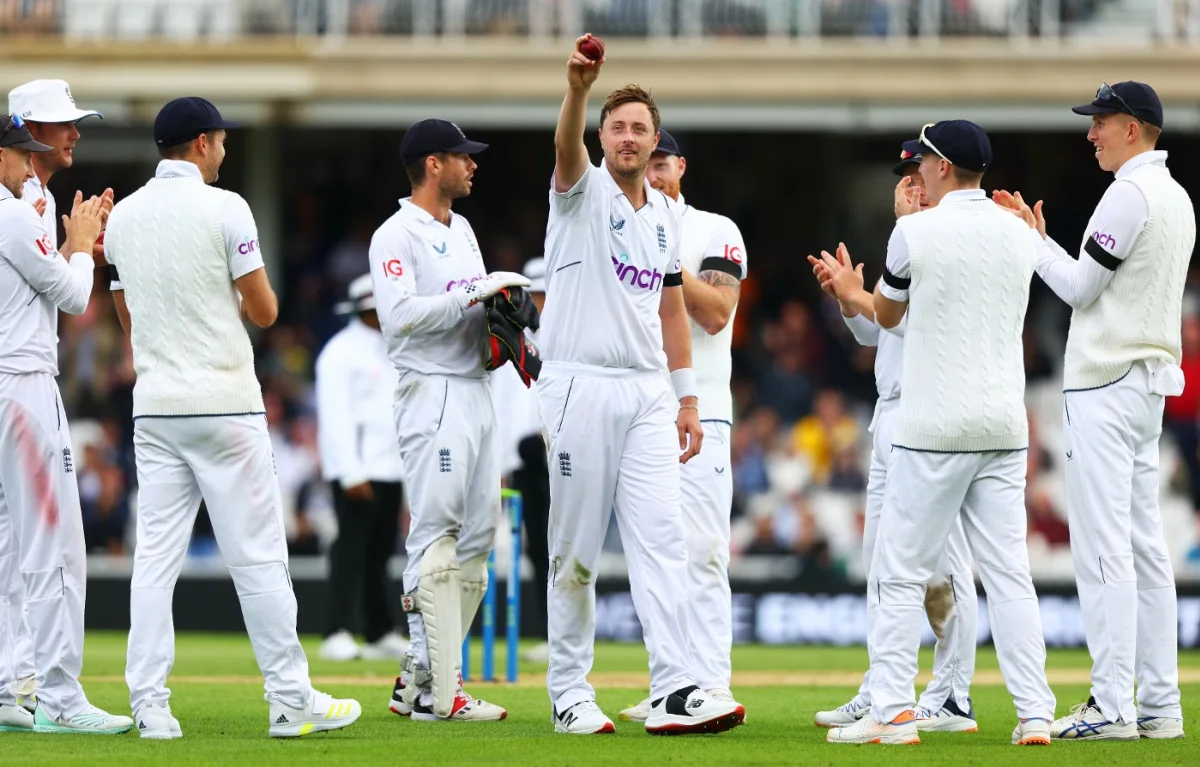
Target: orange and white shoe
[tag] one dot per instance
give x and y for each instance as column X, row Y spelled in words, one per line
column 901, row 731
column 1032, row 732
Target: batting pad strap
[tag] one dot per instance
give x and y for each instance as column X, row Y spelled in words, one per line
column 684, row 382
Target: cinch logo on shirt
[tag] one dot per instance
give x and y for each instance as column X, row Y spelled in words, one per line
column 634, row 277
column 1106, row 241
column 452, row 284
column 248, row 247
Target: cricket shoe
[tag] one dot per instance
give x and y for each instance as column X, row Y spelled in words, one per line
column 15, row 719
column 390, row 646
column 339, row 647
column 1034, row 731
column 323, row 712
column 691, row 711
column 583, row 718
column 637, row 713
column 157, row 723
column 1087, row 722
column 901, row 731
column 949, row 718
column 26, row 691
column 1160, row 727
column 843, row 716
column 90, row 721
column 464, row 709
column 399, row 704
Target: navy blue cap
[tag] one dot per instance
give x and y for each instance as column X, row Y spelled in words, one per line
column 429, row 136
column 14, row 135
column 184, row 119
column 907, row 159
column 667, row 144
column 962, row 142
column 1130, row 98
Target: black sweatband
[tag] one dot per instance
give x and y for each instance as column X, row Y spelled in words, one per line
column 719, row 264
column 673, row 280
column 894, row 282
column 1100, row 255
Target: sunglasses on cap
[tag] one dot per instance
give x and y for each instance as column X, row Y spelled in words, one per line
column 930, row 144
column 14, row 123
column 1106, row 93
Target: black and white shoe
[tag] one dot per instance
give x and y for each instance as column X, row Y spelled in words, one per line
column 583, row 718
column 692, row 711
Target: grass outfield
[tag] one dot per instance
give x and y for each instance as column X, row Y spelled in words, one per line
column 217, row 696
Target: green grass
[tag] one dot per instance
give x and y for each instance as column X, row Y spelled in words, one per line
column 225, row 720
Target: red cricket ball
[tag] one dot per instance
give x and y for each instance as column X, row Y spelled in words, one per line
column 593, row 48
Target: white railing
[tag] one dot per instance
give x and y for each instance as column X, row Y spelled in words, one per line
column 689, row 19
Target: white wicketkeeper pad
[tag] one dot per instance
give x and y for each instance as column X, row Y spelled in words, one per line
column 439, row 596
column 474, row 584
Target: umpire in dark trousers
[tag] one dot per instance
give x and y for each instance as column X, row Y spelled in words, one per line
column 524, row 465
column 360, row 459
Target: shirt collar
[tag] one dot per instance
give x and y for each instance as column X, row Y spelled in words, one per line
column 1153, row 157
column 652, row 194
column 178, row 169
column 414, row 212
column 963, row 195
column 5, row 194
column 36, row 182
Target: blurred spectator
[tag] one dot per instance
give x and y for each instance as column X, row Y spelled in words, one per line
column 103, row 495
column 829, row 433
column 1045, row 522
column 1183, row 416
column 785, row 383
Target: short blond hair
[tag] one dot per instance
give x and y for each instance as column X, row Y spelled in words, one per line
column 630, row 94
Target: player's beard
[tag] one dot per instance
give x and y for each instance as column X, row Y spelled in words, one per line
column 629, row 167
column 17, row 187
column 455, row 191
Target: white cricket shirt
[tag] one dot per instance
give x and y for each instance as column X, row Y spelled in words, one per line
column 416, row 261
column 606, row 266
column 34, row 191
column 710, row 241
column 889, row 351
column 35, row 282
column 356, row 386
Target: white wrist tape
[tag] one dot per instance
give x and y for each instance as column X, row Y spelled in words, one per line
column 684, row 381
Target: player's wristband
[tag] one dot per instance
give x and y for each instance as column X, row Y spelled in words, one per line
column 684, row 382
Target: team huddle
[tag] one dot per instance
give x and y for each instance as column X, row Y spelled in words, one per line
column 630, row 361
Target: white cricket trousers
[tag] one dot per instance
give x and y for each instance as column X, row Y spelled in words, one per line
column 613, row 445
column 1122, row 566
column 925, row 493
column 227, row 462
column 954, row 654
column 706, row 491
column 447, row 429
column 41, row 545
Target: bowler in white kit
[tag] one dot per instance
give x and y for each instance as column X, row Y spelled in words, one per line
column 951, row 604
column 961, row 273
column 614, row 324
column 430, row 283
column 186, row 270
column 713, row 257
column 1122, row 360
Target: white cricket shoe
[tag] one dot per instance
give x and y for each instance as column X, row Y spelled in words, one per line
column 584, row 718
column 1087, row 722
column 949, row 718
column 90, row 721
column 637, row 713
column 25, row 689
column 157, row 723
column 692, row 711
column 1032, row 732
column 1160, row 727
column 539, row 653
column 15, row 719
column 464, row 709
column 843, row 716
column 323, row 712
column 390, row 646
column 339, row 647
column 901, row 731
